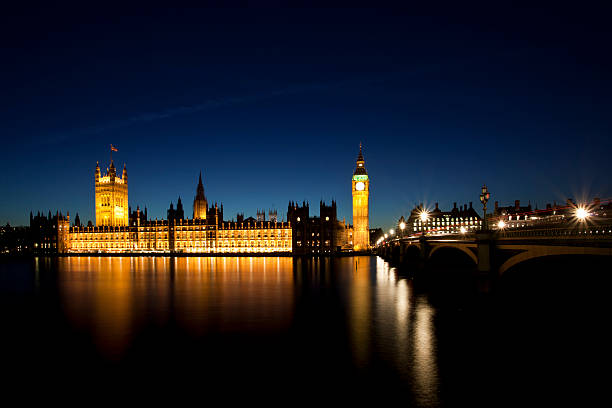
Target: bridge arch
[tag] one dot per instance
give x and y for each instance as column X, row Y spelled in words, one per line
column 539, row 251
column 461, row 248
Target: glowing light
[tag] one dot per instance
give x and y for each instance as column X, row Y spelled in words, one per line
column 581, row 213
column 391, row 231
column 424, row 216
column 386, row 236
column 463, row 230
column 402, row 225
column 501, row 224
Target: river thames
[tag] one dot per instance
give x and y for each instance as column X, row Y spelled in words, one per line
column 343, row 325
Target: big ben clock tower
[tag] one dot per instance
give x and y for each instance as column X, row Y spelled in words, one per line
column 361, row 192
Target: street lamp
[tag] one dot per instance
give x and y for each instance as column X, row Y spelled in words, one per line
column 391, row 231
column 484, row 197
column 581, row 213
column 402, row 225
column 424, row 216
column 501, row 224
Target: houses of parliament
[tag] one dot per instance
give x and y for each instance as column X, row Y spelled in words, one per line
column 118, row 229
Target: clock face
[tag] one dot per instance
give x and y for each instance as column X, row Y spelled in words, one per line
column 359, row 186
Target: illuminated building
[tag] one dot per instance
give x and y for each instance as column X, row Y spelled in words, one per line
column 442, row 222
column 118, row 231
column 361, row 191
column 111, row 197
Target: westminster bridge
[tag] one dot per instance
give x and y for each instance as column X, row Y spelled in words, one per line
column 491, row 254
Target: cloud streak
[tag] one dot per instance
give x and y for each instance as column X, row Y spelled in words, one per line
column 207, row 105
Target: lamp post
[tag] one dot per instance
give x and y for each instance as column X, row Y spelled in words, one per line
column 424, row 216
column 484, row 197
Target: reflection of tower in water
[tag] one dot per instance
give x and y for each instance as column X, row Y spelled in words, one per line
column 101, row 302
column 360, row 310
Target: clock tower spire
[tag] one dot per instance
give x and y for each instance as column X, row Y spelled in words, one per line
column 361, row 192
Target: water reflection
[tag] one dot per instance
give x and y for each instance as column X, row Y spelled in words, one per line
column 353, row 316
column 114, row 297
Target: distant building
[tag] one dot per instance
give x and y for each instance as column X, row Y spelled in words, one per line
column 273, row 215
column 318, row 235
column 375, row 235
column 458, row 219
column 552, row 215
column 14, row 240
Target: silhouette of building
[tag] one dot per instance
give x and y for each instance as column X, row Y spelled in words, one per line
column 375, row 235
column 318, row 235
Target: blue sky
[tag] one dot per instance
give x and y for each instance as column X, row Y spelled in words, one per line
column 271, row 104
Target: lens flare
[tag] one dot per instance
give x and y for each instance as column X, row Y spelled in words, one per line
column 581, row 213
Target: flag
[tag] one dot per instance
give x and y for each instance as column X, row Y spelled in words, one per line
column 114, row 149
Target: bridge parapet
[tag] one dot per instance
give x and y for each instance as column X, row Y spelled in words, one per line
column 589, row 232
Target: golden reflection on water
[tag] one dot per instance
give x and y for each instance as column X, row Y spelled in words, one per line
column 360, row 309
column 113, row 297
column 403, row 327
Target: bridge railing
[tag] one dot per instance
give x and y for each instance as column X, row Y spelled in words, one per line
column 579, row 232
column 574, row 232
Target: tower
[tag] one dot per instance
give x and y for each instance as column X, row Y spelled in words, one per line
column 200, row 206
column 111, row 197
column 361, row 192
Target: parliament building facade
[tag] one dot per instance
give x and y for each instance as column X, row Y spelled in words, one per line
column 117, row 229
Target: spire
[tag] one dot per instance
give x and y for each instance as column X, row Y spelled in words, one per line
column 360, row 168
column 111, row 170
column 200, row 189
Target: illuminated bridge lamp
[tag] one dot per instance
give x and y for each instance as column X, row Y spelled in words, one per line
column 501, row 224
column 462, row 230
column 424, row 216
column 581, row 213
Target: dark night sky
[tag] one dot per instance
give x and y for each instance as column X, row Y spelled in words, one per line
column 271, row 105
